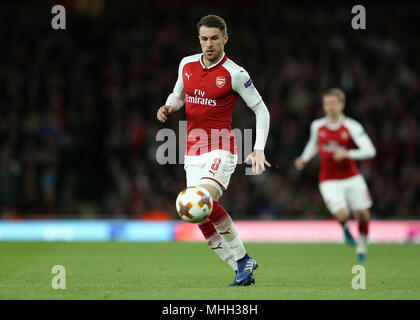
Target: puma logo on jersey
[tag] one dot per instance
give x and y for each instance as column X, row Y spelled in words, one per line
column 188, row 75
column 212, row 172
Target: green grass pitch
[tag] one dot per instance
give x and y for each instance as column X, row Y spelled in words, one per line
column 118, row 270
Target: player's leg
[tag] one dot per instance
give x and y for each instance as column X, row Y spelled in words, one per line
column 216, row 178
column 217, row 244
column 193, row 168
column 343, row 216
column 333, row 193
column 224, row 224
column 225, row 227
column 363, row 217
column 360, row 202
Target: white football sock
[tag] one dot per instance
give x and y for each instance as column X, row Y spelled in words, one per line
column 362, row 244
column 223, row 250
column 227, row 230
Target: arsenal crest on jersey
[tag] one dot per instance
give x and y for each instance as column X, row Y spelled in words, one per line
column 344, row 135
column 220, row 81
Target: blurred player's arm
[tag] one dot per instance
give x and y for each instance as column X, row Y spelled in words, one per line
column 365, row 148
column 243, row 85
column 310, row 150
column 175, row 100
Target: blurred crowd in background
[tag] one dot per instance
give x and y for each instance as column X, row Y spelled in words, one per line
column 78, row 106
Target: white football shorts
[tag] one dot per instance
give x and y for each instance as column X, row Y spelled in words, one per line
column 351, row 193
column 214, row 168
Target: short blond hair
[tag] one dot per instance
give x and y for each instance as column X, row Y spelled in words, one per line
column 339, row 93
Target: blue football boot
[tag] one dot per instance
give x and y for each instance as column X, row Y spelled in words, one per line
column 249, row 281
column 246, row 266
column 233, row 284
column 246, row 283
column 349, row 238
column 361, row 257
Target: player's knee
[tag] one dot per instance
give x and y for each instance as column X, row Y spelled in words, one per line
column 342, row 214
column 362, row 215
column 215, row 194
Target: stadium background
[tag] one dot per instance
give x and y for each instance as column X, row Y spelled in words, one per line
column 78, row 109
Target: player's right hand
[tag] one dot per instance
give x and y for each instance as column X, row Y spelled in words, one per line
column 163, row 112
column 299, row 163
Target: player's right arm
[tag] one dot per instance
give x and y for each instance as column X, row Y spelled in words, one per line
column 175, row 100
column 311, row 148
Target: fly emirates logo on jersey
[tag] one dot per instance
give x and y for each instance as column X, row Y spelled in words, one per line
column 332, row 146
column 199, row 98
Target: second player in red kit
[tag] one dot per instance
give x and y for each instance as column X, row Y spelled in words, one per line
column 340, row 141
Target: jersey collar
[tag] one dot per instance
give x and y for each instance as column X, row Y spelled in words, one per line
column 222, row 59
column 336, row 126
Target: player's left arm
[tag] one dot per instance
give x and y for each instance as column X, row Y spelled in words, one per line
column 365, row 148
column 243, row 85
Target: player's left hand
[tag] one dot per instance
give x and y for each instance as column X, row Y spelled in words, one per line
column 340, row 154
column 257, row 158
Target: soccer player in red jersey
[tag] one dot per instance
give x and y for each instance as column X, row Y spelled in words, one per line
column 340, row 141
column 209, row 84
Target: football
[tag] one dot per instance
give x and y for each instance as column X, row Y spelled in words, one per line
column 194, row 204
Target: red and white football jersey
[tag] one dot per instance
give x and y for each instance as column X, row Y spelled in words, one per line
column 210, row 95
column 326, row 138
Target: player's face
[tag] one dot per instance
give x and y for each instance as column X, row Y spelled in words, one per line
column 212, row 42
column 333, row 107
